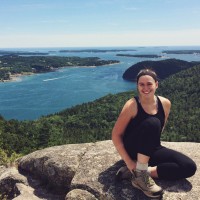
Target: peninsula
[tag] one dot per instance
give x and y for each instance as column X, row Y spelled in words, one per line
column 15, row 65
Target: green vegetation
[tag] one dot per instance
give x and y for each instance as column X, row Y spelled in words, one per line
column 94, row 121
column 163, row 68
column 88, row 122
column 183, row 90
column 14, row 64
column 182, row 52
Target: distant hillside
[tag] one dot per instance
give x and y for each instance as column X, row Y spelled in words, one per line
column 163, row 68
column 183, row 90
column 88, row 122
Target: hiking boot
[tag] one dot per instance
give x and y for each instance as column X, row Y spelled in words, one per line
column 142, row 181
column 123, row 174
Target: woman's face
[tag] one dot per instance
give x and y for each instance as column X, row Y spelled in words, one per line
column 147, row 86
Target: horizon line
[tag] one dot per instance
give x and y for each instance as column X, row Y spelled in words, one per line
column 101, row 46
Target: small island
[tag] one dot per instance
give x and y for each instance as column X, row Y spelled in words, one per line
column 15, row 65
column 163, row 68
column 94, row 50
column 182, row 52
column 140, row 55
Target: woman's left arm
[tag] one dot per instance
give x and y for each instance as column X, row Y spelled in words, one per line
column 166, row 106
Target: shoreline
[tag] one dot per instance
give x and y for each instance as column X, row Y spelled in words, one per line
column 17, row 77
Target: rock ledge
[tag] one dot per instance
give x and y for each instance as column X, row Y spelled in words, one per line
column 87, row 172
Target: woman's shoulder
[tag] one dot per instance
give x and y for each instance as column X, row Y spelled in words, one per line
column 165, row 102
column 131, row 102
column 131, row 106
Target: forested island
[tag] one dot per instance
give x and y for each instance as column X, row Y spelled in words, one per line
column 20, row 53
column 163, row 68
column 14, row 64
column 182, row 51
column 140, row 55
column 94, row 50
column 93, row 121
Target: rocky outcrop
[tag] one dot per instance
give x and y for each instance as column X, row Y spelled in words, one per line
column 86, row 172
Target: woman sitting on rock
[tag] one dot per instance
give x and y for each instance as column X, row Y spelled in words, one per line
column 136, row 136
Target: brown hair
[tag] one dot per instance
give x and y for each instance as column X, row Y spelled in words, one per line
column 149, row 72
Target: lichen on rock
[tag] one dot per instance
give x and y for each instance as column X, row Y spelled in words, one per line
column 87, row 172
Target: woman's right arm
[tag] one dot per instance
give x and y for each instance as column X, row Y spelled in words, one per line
column 129, row 111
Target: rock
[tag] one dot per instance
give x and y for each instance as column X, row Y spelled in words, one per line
column 55, row 166
column 2, row 169
column 87, row 172
column 8, row 179
column 78, row 194
column 26, row 192
column 35, row 193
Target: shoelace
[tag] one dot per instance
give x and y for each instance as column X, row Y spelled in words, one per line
column 147, row 179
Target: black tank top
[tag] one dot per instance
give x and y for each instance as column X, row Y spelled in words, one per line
column 142, row 115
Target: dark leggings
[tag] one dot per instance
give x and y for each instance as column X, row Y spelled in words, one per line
column 170, row 164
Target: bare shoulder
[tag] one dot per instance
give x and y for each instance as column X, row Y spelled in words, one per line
column 166, row 104
column 131, row 102
column 165, row 101
column 130, row 107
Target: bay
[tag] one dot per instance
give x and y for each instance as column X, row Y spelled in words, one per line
column 38, row 95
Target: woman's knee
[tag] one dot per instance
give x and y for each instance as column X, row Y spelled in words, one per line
column 189, row 169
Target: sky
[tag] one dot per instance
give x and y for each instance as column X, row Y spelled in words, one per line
column 99, row 23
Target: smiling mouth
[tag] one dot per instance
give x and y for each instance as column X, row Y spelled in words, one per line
column 147, row 92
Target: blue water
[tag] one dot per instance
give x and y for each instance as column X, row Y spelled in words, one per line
column 37, row 95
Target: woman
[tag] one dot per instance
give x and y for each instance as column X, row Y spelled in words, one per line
column 136, row 136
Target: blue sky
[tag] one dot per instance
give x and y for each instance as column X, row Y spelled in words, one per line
column 93, row 23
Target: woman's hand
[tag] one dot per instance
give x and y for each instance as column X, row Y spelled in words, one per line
column 128, row 112
column 131, row 165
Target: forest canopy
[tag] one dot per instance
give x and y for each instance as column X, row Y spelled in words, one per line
column 94, row 121
column 14, row 64
column 163, row 68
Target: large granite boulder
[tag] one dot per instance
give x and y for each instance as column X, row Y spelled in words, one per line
column 87, row 172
